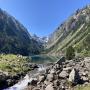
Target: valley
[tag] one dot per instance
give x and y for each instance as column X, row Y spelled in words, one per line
column 59, row 61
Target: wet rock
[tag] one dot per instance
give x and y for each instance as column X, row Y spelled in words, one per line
column 33, row 82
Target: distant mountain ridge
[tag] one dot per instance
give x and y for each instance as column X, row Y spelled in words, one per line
column 14, row 37
column 74, row 31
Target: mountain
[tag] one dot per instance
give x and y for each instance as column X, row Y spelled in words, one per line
column 75, row 31
column 14, row 37
column 41, row 40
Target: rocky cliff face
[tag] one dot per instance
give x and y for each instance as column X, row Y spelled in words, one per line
column 14, row 37
column 74, row 31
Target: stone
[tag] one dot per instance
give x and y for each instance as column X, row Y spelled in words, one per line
column 41, row 78
column 87, row 59
column 56, row 83
column 49, row 87
column 63, row 74
column 47, row 70
column 52, row 71
column 33, row 82
column 74, row 76
column 61, row 60
column 50, row 77
column 68, row 69
column 57, row 66
column 46, row 82
column 85, row 79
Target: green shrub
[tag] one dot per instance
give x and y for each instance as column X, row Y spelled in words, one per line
column 70, row 53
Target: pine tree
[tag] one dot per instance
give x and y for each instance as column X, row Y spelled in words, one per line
column 70, row 53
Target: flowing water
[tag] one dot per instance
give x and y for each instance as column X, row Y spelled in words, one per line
column 21, row 85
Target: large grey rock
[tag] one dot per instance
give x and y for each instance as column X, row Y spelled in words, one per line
column 74, row 76
column 87, row 59
column 61, row 60
column 53, row 71
column 85, row 79
column 50, row 77
column 33, row 82
column 57, row 66
column 63, row 74
column 56, row 82
column 41, row 78
column 67, row 69
column 49, row 87
column 47, row 71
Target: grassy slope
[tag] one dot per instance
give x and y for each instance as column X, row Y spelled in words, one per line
column 77, row 39
column 13, row 64
column 83, row 87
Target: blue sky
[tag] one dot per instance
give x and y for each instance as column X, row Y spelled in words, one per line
column 42, row 16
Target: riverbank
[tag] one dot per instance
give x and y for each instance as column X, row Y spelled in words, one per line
column 23, row 83
column 13, row 68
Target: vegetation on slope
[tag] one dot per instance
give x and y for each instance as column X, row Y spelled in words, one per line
column 73, row 32
column 13, row 64
column 14, row 37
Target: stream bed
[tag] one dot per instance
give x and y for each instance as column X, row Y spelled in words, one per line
column 22, row 84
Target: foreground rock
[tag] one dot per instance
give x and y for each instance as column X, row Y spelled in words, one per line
column 63, row 75
column 74, row 77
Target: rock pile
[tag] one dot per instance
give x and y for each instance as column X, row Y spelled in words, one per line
column 62, row 75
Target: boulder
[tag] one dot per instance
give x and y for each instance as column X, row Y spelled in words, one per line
column 85, row 79
column 61, row 60
column 68, row 69
column 56, row 66
column 63, row 75
column 33, row 82
column 74, row 76
column 41, row 78
column 50, row 77
column 57, row 82
column 49, row 87
column 47, row 70
column 46, row 82
column 53, row 71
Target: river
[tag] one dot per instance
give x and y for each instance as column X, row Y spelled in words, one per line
column 42, row 61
